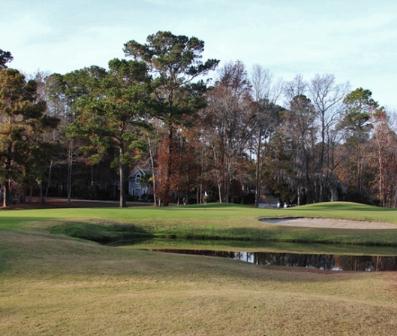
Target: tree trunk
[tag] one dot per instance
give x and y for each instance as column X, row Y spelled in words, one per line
column 298, row 197
column 70, row 167
column 334, row 194
column 30, row 193
column 228, row 181
column 42, row 201
column 200, row 190
column 122, row 201
column 257, row 170
column 322, row 148
column 167, row 186
column 380, row 172
column 218, row 177
column 92, row 182
column 153, row 172
column 4, row 192
column 7, row 184
column 49, row 179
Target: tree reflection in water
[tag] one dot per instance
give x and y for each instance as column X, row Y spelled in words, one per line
column 326, row 262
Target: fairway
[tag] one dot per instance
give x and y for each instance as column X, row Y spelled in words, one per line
column 56, row 279
column 196, row 168
column 213, row 222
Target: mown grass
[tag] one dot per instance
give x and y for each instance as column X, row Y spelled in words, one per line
column 56, row 280
column 211, row 222
column 53, row 285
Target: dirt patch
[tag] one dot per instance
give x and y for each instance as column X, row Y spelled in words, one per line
column 329, row 223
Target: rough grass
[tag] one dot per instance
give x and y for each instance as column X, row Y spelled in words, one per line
column 53, row 285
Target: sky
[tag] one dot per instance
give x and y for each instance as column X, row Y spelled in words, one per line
column 356, row 40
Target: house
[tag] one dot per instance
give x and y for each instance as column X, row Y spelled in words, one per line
column 138, row 183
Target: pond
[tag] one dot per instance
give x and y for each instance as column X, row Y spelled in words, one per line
column 323, row 262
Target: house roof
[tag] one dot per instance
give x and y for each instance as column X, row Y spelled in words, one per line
column 138, row 169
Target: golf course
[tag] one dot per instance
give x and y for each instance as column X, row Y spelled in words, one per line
column 86, row 271
column 198, row 168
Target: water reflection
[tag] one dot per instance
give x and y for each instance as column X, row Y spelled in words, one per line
column 325, row 262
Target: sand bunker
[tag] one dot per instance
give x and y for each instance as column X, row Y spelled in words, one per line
column 330, row 223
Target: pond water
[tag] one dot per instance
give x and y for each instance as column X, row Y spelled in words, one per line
column 324, row 262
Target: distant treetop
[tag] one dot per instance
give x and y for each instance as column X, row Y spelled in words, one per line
column 5, row 57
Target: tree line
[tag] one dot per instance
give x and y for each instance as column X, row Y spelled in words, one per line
column 242, row 136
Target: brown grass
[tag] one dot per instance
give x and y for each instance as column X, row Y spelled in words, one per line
column 58, row 286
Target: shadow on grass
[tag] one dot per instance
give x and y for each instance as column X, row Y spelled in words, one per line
column 103, row 234
column 119, row 234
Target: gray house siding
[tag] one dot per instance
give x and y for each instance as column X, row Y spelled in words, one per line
column 135, row 186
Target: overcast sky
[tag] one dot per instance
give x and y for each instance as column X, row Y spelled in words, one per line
column 355, row 40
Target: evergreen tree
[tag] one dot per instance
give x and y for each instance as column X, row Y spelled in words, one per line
column 23, row 120
column 111, row 115
column 175, row 61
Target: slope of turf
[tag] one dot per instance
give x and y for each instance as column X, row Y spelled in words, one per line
column 53, row 285
column 211, row 222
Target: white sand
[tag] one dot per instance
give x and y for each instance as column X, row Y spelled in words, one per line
column 330, row 223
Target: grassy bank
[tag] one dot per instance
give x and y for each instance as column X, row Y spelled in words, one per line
column 52, row 285
column 56, row 280
column 110, row 225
